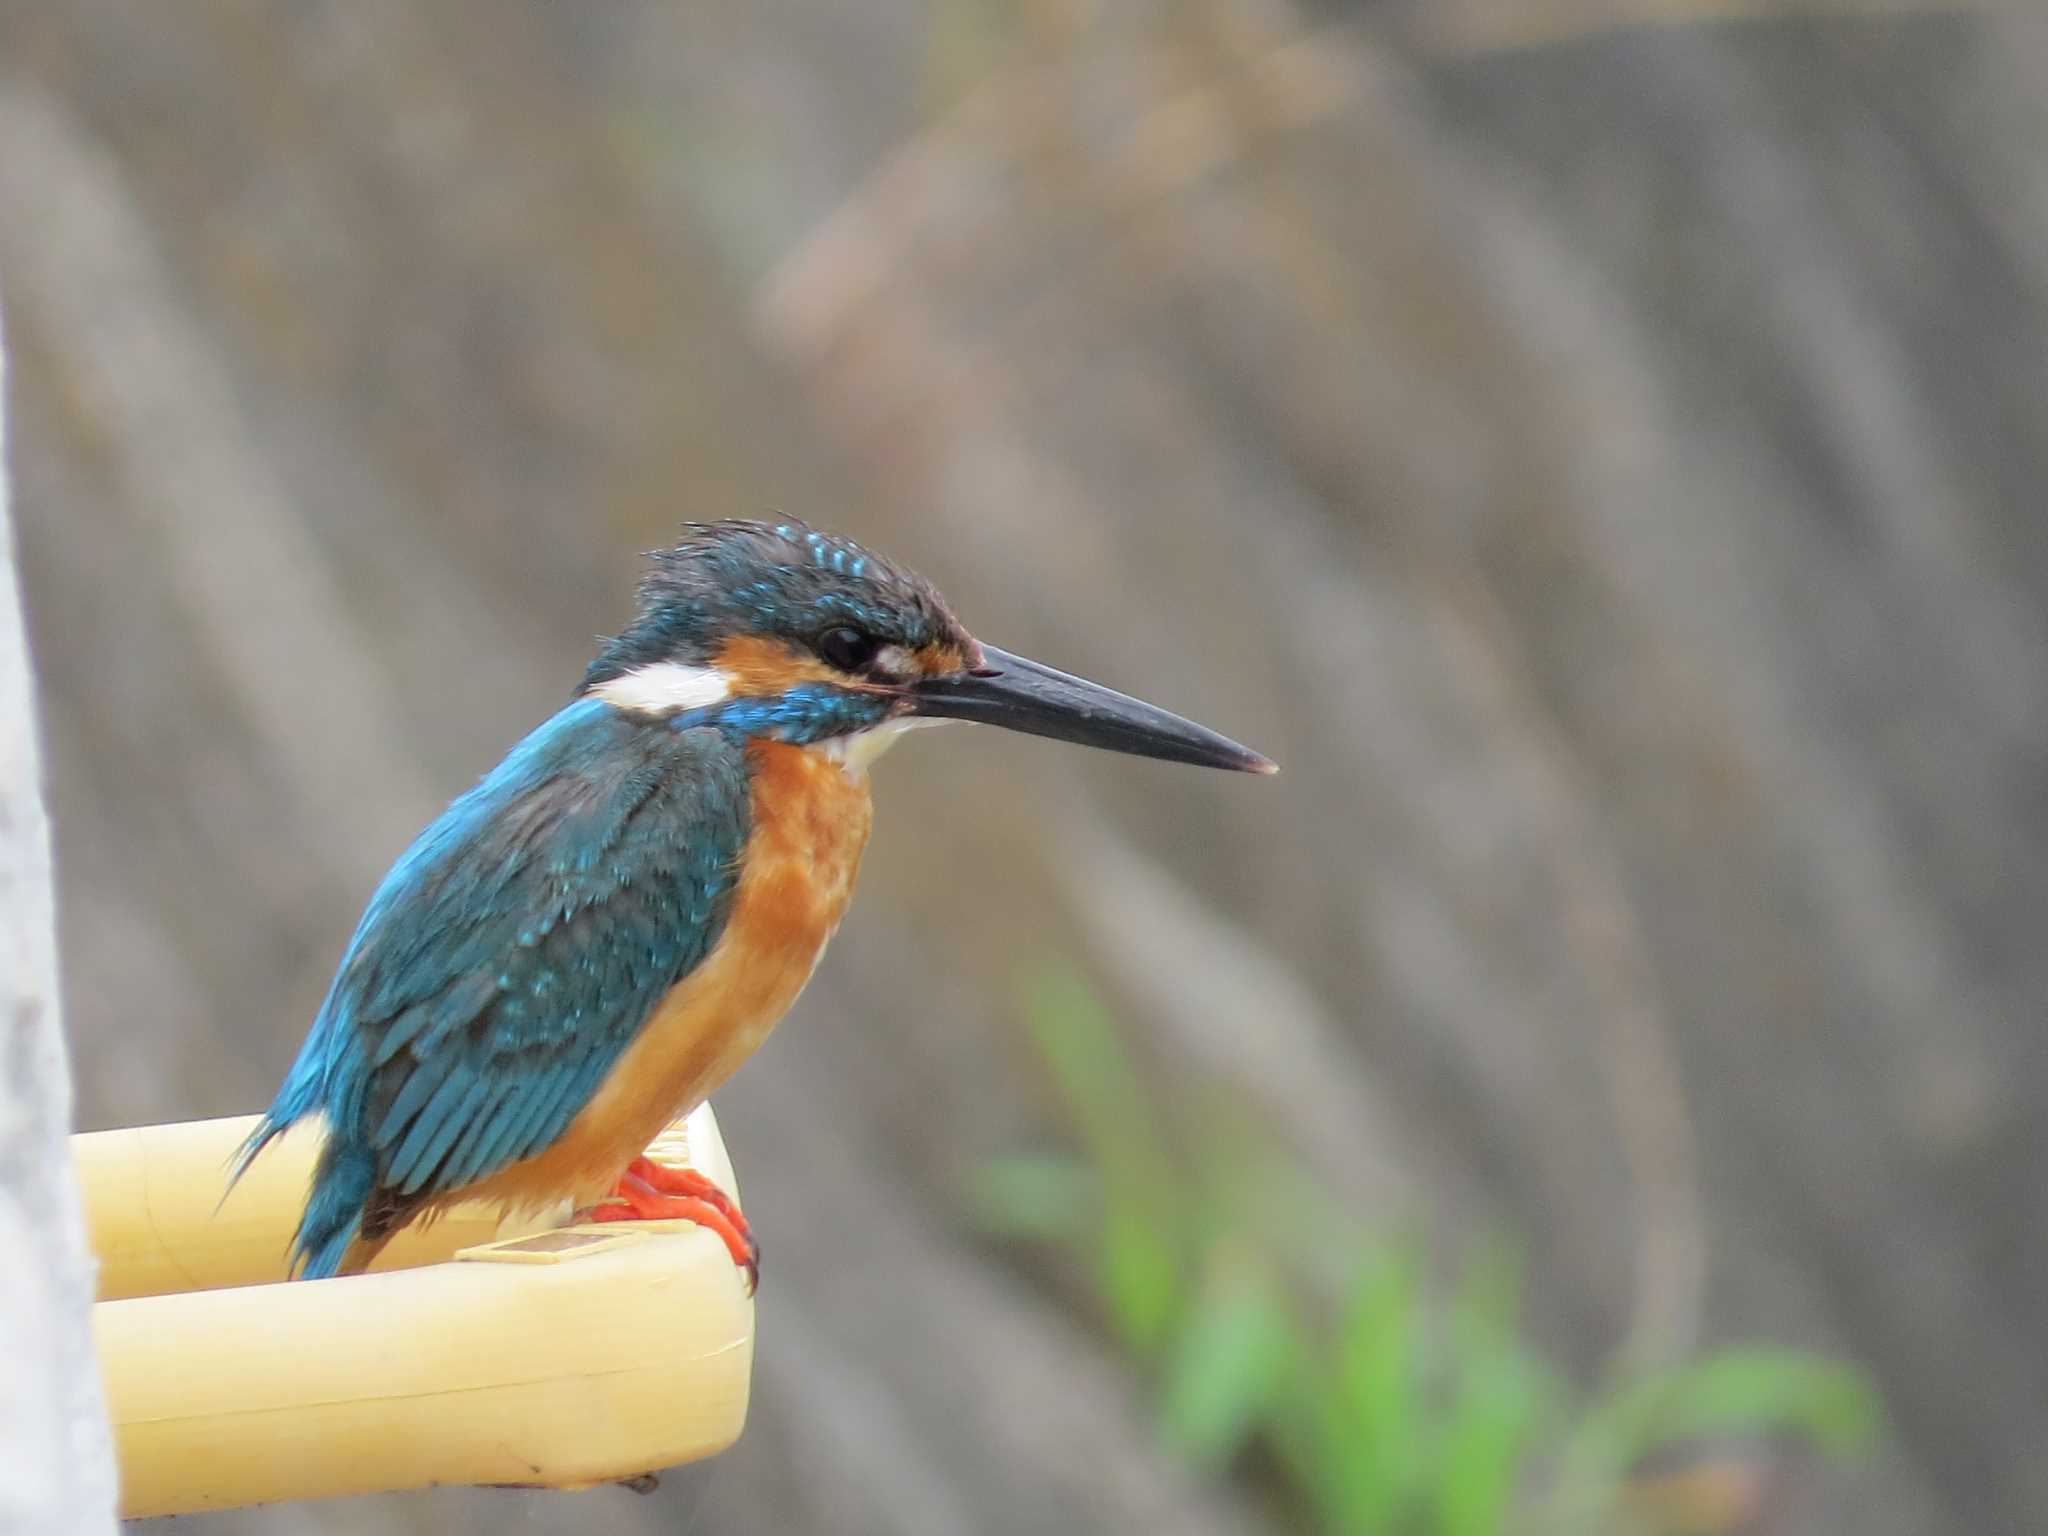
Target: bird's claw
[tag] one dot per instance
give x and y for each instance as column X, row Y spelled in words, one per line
column 651, row 1191
column 667, row 1180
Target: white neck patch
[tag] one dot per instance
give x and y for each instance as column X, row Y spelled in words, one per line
column 665, row 688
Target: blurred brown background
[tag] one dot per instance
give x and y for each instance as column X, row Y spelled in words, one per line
column 1594, row 446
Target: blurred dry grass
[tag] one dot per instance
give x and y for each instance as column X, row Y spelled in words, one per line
column 1594, row 449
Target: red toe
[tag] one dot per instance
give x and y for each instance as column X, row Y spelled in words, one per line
column 684, row 1181
column 682, row 1195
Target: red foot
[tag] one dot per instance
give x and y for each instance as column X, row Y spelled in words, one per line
column 648, row 1191
column 686, row 1181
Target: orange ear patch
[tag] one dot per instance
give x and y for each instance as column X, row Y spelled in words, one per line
column 764, row 665
column 942, row 658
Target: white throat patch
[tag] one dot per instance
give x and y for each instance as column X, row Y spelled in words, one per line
column 665, row 688
column 856, row 751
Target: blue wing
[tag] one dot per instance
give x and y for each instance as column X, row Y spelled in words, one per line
column 508, row 960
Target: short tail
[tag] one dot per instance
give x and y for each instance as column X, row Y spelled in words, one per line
column 343, row 1177
column 342, row 1183
column 343, row 1180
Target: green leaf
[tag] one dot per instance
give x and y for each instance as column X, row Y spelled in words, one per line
column 1140, row 1276
column 1224, row 1364
column 1737, row 1392
column 1300, row 1418
column 1376, row 1414
column 1497, row 1395
column 1763, row 1391
column 1144, row 1206
column 1102, row 1092
column 1486, row 1445
column 1079, row 1042
column 1045, row 1199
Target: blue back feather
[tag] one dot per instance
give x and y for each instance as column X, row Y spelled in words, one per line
column 511, row 955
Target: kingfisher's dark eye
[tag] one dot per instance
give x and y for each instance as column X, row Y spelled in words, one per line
column 847, row 648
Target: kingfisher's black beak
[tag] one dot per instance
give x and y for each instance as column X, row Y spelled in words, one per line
column 1023, row 695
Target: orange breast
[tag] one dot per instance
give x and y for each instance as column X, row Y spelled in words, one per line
column 811, row 822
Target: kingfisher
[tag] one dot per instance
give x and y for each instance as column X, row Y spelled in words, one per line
column 587, row 944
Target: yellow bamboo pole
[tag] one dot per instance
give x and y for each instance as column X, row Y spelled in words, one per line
column 554, row 1357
